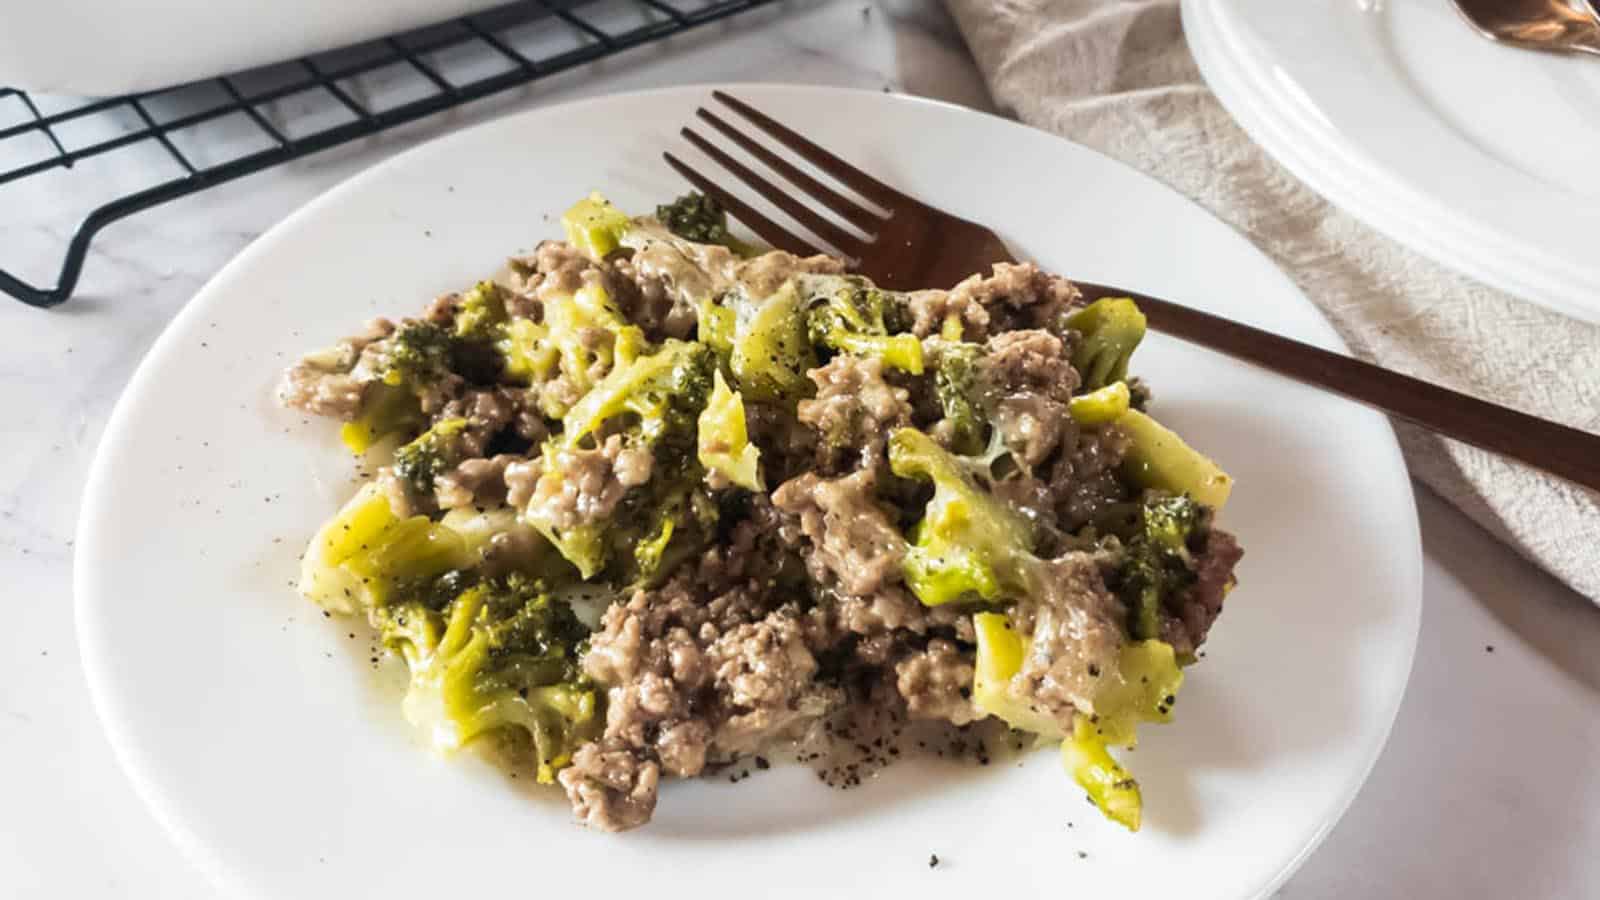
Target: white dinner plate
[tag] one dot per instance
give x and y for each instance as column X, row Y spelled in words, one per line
column 265, row 739
column 1480, row 155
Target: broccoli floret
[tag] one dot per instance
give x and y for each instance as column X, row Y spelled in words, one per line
column 1000, row 654
column 594, row 226
column 724, row 441
column 1157, row 559
column 696, row 217
column 499, row 658
column 430, row 455
column 764, row 342
column 1111, row 789
column 958, row 386
column 482, row 313
column 565, row 344
column 855, row 317
column 968, row 544
column 365, row 554
column 665, row 391
column 1158, row 458
column 1145, row 687
column 1101, row 407
column 654, row 402
column 385, row 411
column 412, row 360
column 1141, row 688
column 770, row 353
column 662, row 529
column 416, row 355
column 1111, row 330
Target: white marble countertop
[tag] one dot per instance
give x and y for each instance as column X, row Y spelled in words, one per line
column 1486, row 788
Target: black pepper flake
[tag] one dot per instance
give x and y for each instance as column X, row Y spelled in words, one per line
column 1082, row 855
column 933, row 860
column 762, row 764
column 1094, row 670
column 1488, row 648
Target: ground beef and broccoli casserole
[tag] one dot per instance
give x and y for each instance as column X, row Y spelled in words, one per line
column 653, row 501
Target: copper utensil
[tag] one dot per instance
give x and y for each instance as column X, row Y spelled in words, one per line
column 913, row 245
column 1557, row 25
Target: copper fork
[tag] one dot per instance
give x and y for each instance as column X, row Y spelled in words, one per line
column 911, row 245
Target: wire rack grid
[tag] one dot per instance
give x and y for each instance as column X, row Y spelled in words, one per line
column 444, row 65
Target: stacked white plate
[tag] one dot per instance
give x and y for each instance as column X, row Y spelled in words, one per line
column 1482, row 156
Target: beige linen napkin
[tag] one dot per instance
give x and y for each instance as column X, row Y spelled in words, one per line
column 1116, row 75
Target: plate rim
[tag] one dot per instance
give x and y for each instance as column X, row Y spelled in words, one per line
column 1341, row 172
column 91, row 639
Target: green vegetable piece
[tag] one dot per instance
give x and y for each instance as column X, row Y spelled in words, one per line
column 503, row 663
column 959, row 388
column 595, row 227
column 1109, row 785
column 1112, row 329
column 417, row 355
column 482, row 312
column 661, row 389
column 770, row 354
column 1156, row 562
column 683, row 520
column 1000, row 655
column 582, row 545
column 520, row 546
column 854, row 319
column 385, row 411
column 564, row 343
column 365, row 553
column 413, row 359
column 717, row 327
column 529, row 353
column 1158, row 458
column 1100, row 407
column 968, row 544
column 724, row 442
column 1143, row 689
column 649, row 553
column 430, row 455
column 696, row 217
column 656, row 400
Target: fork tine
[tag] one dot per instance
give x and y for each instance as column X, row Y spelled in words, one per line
column 859, row 181
column 765, row 228
column 853, row 212
column 800, row 212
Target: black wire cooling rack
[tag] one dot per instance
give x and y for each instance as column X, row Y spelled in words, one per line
column 448, row 65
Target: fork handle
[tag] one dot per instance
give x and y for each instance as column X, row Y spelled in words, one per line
column 1557, row 449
